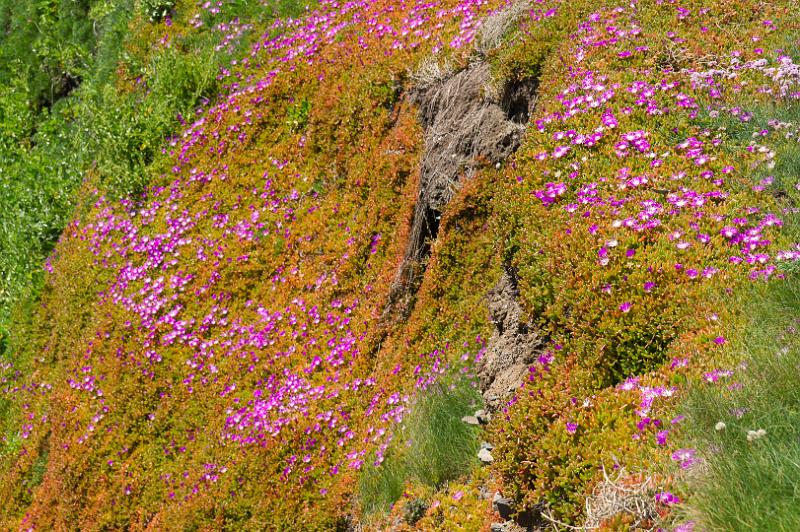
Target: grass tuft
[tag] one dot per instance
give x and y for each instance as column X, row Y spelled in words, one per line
column 751, row 483
column 748, row 480
column 432, row 447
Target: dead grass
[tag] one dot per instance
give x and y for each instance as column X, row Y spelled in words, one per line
column 496, row 27
column 430, row 72
column 620, row 495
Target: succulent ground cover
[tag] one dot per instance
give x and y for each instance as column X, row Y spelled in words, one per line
column 216, row 353
column 93, row 87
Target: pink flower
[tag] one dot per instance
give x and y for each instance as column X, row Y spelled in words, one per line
column 667, row 498
column 625, row 307
column 686, row 457
column 572, row 427
column 560, row 151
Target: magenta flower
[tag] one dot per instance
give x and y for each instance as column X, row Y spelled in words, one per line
column 667, row 498
column 685, row 457
column 677, row 419
column 625, row 307
column 602, row 256
column 572, row 428
column 679, row 363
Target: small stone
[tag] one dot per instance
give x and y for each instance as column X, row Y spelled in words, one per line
column 503, row 505
column 486, row 445
column 485, row 456
column 497, row 527
column 470, row 420
column 483, row 416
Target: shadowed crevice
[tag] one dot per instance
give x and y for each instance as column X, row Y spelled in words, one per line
column 467, row 124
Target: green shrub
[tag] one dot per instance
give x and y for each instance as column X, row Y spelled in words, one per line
column 543, row 462
column 157, row 10
column 414, row 510
column 297, row 115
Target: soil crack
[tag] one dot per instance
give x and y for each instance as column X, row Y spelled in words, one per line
column 466, row 126
column 513, row 346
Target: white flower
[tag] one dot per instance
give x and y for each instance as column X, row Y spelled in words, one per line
column 720, row 426
column 753, row 435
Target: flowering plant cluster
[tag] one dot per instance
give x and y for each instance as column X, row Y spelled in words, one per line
column 212, row 344
column 215, row 352
column 636, row 213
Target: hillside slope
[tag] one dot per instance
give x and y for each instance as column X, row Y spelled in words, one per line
column 558, row 203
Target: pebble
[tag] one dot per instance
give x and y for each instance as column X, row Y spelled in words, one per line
column 483, row 416
column 470, row 420
column 485, row 456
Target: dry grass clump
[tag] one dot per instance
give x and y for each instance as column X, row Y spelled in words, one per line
column 622, row 496
column 430, row 72
column 495, row 27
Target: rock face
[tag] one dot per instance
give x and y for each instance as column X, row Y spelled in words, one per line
column 508, row 526
column 467, row 124
column 503, row 506
column 516, row 519
column 513, row 346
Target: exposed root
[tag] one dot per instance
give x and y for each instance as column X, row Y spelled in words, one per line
column 512, row 347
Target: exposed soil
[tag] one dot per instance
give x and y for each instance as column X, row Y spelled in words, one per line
column 465, row 127
column 512, row 347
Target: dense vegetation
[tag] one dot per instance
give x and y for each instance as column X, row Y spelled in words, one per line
column 205, row 206
column 744, row 419
column 91, row 90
